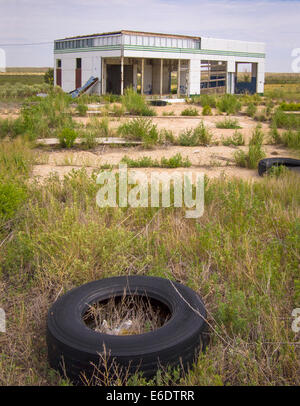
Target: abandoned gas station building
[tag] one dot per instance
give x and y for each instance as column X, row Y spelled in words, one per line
column 151, row 63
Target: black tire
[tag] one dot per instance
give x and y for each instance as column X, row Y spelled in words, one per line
column 73, row 347
column 158, row 103
column 265, row 164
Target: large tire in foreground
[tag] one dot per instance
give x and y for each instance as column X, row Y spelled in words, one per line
column 73, row 347
column 265, row 164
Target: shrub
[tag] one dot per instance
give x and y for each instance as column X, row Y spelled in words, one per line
column 274, row 135
column 206, row 111
column 49, row 76
column 251, row 110
column 228, row 123
column 290, row 106
column 136, row 103
column 67, row 137
column 11, row 197
column 287, row 121
column 90, row 139
column 111, row 98
column 197, row 136
column 236, row 140
column 47, row 116
column 255, row 153
column 11, row 127
column 168, row 113
column 118, row 110
column 143, row 162
column 229, row 104
column 81, row 109
column 190, row 111
column 277, row 171
column 205, row 100
column 291, row 139
column 166, row 137
column 177, row 161
column 140, row 129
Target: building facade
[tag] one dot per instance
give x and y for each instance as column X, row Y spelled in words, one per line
column 153, row 62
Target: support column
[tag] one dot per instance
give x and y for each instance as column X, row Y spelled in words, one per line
column 102, row 75
column 178, row 79
column 122, row 75
column 142, row 78
column 161, row 76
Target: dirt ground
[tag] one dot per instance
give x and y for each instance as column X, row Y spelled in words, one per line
column 213, row 160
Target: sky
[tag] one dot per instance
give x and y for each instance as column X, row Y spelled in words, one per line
column 275, row 22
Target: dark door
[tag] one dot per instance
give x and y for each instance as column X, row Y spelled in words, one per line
column 113, row 82
column 58, row 77
column 78, row 74
column 128, row 76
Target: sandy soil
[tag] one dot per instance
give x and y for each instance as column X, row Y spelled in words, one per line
column 213, row 161
column 178, row 123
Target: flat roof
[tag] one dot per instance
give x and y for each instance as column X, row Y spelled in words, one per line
column 128, row 32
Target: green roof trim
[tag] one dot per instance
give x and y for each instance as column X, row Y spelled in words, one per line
column 162, row 49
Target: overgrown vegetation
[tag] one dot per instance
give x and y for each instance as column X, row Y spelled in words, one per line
column 57, row 238
column 176, row 161
column 204, row 100
column 195, row 136
column 206, row 111
column 229, row 104
column 141, row 129
column 236, row 140
column 255, row 152
column 190, row 111
column 67, row 137
column 136, row 104
column 228, row 123
column 288, row 121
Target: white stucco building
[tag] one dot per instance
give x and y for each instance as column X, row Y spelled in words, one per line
column 153, row 61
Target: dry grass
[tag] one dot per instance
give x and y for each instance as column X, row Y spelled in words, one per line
column 126, row 315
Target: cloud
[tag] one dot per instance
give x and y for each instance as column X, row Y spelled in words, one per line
column 275, row 22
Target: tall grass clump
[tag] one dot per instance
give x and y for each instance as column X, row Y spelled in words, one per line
column 176, row 161
column 67, row 137
column 255, row 152
column 190, row 111
column 136, row 104
column 229, row 123
column 251, row 110
column 206, row 111
column 100, row 127
column 141, row 129
column 11, row 128
column 236, row 140
column 15, row 164
column 47, row 117
column 204, row 100
column 229, row 104
column 81, row 109
column 287, row 121
column 291, row 139
column 197, row 136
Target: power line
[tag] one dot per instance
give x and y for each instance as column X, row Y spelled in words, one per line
column 32, row 43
